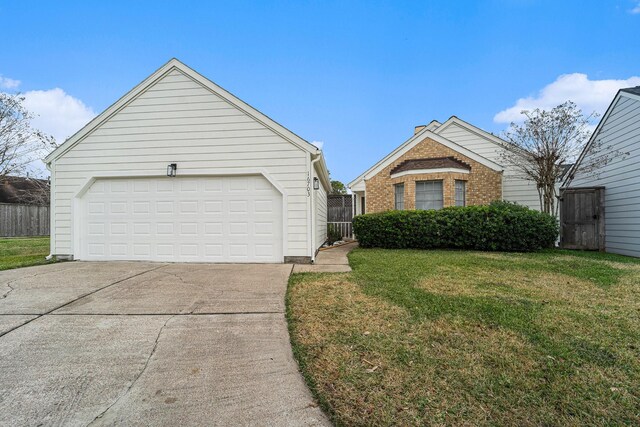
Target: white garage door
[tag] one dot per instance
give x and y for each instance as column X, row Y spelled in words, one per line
column 189, row 219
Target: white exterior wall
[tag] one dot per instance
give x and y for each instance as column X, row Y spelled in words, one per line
column 320, row 215
column 178, row 120
column 514, row 188
column 621, row 177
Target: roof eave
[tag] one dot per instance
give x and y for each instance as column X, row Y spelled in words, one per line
column 142, row 86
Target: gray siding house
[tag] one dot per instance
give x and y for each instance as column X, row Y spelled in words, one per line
column 618, row 131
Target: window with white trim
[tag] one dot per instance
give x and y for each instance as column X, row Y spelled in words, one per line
column 461, row 193
column 429, row 195
column 399, row 197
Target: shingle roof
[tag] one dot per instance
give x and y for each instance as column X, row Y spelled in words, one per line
column 28, row 191
column 431, row 163
column 635, row 90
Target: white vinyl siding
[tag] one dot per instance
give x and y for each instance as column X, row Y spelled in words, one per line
column 621, row 177
column 320, row 215
column 460, row 193
column 178, row 120
column 515, row 188
column 429, row 195
column 399, row 197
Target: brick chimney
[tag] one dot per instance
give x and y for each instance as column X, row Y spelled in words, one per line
column 419, row 128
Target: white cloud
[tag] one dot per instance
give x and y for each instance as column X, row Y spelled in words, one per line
column 7, row 83
column 635, row 10
column 318, row 144
column 589, row 95
column 57, row 113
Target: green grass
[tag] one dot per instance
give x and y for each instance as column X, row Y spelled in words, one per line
column 458, row 337
column 23, row 252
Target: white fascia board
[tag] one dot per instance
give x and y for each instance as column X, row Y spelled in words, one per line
column 321, row 167
column 433, row 125
column 197, row 77
column 248, row 109
column 474, row 129
column 426, row 171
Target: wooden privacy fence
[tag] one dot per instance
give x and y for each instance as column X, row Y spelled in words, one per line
column 23, row 220
column 340, row 213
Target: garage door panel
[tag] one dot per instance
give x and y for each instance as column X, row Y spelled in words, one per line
column 204, row 219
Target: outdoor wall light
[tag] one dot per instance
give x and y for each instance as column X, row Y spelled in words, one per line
column 171, row 169
column 316, row 184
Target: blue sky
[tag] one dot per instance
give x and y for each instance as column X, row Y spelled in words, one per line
column 357, row 76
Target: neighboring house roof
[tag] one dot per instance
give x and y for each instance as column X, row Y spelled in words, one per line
column 166, row 68
column 431, row 163
column 417, row 138
column 24, row 191
column 631, row 92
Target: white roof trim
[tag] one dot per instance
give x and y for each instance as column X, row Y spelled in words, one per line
column 324, row 172
column 473, row 129
column 596, row 132
column 427, row 171
column 412, row 142
column 146, row 83
column 434, row 125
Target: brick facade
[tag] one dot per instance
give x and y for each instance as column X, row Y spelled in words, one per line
column 484, row 185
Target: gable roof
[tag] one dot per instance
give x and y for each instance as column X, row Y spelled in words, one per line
column 633, row 93
column 430, row 163
column 175, row 64
column 474, row 129
column 413, row 141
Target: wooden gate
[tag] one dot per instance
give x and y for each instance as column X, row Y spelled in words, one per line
column 582, row 218
column 340, row 213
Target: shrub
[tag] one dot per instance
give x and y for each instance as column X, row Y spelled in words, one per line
column 333, row 234
column 500, row 226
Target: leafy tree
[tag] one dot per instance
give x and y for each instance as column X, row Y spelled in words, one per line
column 338, row 187
column 546, row 143
column 20, row 144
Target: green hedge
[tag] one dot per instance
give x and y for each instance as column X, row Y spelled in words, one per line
column 500, row 226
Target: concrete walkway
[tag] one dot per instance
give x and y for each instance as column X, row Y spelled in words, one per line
column 133, row 343
column 330, row 260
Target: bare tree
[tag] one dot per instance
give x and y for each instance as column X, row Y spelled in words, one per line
column 20, row 144
column 38, row 193
column 546, row 143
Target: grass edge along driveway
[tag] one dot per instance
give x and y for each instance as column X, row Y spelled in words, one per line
column 16, row 252
column 458, row 337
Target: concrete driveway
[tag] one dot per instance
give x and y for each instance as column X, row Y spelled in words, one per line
column 134, row 343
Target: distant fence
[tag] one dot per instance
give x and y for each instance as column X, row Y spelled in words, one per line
column 340, row 213
column 23, row 220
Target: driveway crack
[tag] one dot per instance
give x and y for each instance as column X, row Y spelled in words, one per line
column 75, row 299
column 11, row 288
column 144, row 368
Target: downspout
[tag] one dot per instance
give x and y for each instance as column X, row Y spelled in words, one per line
column 51, row 217
column 312, row 173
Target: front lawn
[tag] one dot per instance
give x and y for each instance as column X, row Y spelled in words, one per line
column 23, row 252
column 472, row 338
